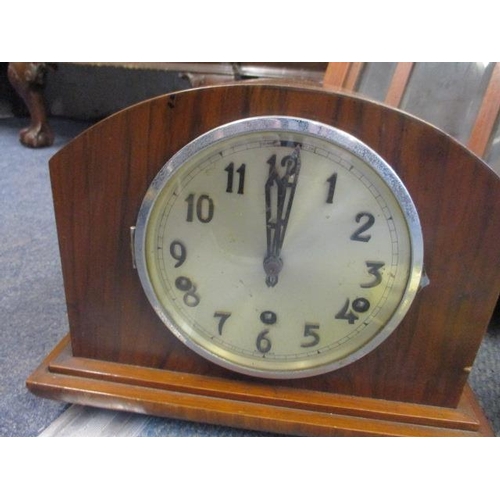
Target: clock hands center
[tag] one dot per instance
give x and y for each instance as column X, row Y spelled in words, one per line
column 279, row 195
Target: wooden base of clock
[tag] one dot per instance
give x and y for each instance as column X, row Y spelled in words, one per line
column 281, row 410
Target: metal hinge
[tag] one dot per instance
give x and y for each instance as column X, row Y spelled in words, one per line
column 132, row 245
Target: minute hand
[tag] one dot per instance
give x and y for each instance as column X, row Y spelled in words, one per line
column 276, row 230
column 286, row 193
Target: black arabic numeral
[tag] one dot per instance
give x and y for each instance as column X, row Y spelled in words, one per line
column 178, row 252
column 230, row 178
column 310, row 333
column 190, row 298
column 204, row 208
column 290, row 164
column 263, row 343
column 358, row 234
column 374, row 268
column 230, row 174
column 222, row 319
column 344, row 313
column 332, row 181
column 190, row 202
column 359, row 305
column 272, row 162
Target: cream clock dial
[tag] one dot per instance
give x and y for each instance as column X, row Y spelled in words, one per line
column 279, row 247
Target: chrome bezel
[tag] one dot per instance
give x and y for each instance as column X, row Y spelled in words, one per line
column 307, row 127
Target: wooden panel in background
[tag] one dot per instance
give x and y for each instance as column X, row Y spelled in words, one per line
column 488, row 113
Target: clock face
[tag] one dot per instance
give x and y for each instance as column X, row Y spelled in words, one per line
column 279, row 247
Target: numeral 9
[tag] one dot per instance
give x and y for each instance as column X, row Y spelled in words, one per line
column 178, row 252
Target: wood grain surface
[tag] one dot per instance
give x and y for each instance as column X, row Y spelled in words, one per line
column 99, row 181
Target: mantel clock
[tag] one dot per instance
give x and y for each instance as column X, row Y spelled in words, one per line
column 275, row 257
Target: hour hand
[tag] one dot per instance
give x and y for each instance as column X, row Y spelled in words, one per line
column 279, row 194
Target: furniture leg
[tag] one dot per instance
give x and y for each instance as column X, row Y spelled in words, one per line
column 28, row 79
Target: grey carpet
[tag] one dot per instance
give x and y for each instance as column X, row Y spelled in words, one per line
column 32, row 307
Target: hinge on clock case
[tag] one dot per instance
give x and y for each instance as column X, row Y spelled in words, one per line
column 132, row 245
column 424, row 280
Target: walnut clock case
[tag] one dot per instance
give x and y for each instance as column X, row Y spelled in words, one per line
column 275, row 257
